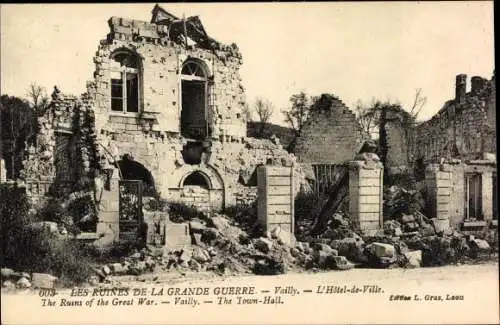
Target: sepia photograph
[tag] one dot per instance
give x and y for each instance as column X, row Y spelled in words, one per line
column 248, row 163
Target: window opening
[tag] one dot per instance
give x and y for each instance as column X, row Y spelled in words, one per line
column 473, row 199
column 125, row 83
column 194, row 101
column 196, row 179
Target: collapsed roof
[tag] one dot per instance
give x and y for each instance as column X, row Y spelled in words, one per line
column 181, row 28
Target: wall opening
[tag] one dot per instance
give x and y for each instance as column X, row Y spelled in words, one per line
column 473, row 196
column 125, row 82
column 194, row 101
column 196, row 179
column 132, row 170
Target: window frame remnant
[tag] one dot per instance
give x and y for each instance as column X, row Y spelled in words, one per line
column 129, row 71
column 194, row 72
column 473, row 196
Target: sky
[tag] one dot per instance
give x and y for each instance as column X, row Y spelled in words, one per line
column 355, row 50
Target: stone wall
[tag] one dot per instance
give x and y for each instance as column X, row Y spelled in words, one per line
column 97, row 142
column 464, row 128
column 160, row 67
column 65, row 155
column 331, row 135
column 446, row 190
column 399, row 131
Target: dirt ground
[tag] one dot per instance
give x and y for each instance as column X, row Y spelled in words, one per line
column 449, row 273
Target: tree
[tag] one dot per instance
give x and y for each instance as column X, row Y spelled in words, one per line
column 418, row 103
column 264, row 109
column 18, row 130
column 37, row 97
column 368, row 116
column 297, row 114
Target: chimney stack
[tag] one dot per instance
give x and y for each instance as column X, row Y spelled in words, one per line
column 477, row 83
column 460, row 87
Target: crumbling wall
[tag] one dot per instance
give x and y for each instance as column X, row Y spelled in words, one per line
column 332, row 135
column 399, row 133
column 161, row 63
column 64, row 158
column 463, row 128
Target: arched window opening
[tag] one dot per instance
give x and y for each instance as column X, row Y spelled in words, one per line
column 196, row 179
column 125, row 82
column 194, row 101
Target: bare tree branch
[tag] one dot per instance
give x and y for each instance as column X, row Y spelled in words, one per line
column 264, row 109
column 418, row 103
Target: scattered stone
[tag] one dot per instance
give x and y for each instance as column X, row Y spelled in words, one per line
column 135, row 256
column 93, row 280
column 194, row 265
column 381, row 250
column 263, row 244
column 244, row 239
column 200, row 255
column 321, row 247
column 481, row 245
column 25, row 275
column 23, row 283
column 341, row 263
column 43, row 280
column 7, row 273
column 220, row 223
column 196, row 227
column 117, row 268
column 185, row 255
column 106, row 270
column 407, row 218
column 7, row 284
column 414, row 258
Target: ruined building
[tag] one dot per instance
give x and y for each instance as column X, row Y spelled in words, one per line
column 457, row 146
column 164, row 107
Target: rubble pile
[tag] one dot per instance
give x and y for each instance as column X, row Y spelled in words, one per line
column 22, row 280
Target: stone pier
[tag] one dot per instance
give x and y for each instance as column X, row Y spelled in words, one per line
column 365, row 195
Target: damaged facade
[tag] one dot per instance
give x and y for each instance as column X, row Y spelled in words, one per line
column 165, row 108
column 457, row 149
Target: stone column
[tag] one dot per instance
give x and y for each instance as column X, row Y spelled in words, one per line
column 275, row 201
column 365, row 195
column 438, row 181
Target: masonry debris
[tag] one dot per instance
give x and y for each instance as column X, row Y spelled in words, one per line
column 152, row 170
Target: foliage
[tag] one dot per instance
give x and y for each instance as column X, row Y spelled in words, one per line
column 44, row 252
column 181, row 212
column 33, row 250
column 296, row 115
column 14, row 216
column 84, row 213
column 19, row 126
column 244, row 214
